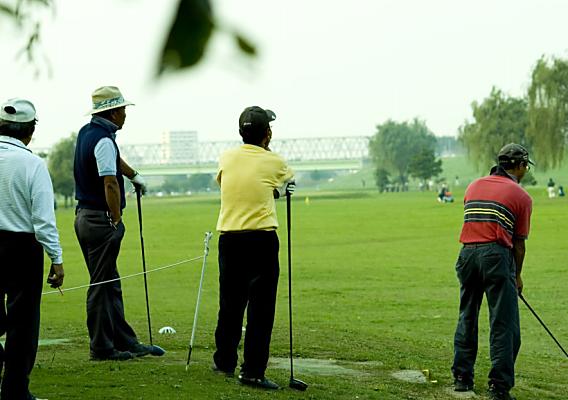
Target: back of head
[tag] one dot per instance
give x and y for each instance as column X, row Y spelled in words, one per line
column 254, row 123
column 17, row 118
column 512, row 155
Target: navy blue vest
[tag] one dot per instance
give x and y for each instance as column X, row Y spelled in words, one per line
column 89, row 186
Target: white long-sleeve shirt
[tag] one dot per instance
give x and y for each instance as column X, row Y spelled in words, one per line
column 26, row 196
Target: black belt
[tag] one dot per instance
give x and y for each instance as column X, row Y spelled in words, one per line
column 478, row 244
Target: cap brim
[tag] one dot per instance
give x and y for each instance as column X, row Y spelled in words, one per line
column 270, row 114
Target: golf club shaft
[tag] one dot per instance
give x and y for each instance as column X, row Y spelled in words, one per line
column 139, row 203
column 289, row 228
column 542, row 323
column 208, row 236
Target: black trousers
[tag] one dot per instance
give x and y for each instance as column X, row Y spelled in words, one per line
column 100, row 244
column 21, row 279
column 488, row 269
column 248, row 278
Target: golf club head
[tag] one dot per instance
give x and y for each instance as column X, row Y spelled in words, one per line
column 298, row 384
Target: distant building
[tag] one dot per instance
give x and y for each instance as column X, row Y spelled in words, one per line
column 180, row 147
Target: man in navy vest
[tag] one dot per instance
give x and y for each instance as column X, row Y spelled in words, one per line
column 99, row 190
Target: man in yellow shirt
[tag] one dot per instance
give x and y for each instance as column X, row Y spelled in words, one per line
column 250, row 176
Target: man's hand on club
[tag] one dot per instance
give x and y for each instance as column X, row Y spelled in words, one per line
column 56, row 274
column 291, row 187
column 139, row 183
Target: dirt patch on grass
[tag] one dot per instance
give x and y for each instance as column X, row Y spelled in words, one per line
column 317, row 367
column 410, row 375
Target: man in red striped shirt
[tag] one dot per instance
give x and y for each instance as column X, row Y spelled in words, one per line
column 497, row 214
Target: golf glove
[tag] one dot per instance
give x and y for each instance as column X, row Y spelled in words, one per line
column 291, row 187
column 139, row 182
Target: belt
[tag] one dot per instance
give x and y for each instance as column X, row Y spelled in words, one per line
column 474, row 245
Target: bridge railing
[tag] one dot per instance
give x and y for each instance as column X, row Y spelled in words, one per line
column 308, row 149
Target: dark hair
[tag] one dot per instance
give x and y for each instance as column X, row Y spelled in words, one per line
column 17, row 130
column 253, row 136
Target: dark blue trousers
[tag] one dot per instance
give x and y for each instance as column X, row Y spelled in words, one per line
column 248, row 279
column 487, row 269
column 21, row 279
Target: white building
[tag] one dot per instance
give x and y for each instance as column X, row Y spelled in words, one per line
column 180, row 147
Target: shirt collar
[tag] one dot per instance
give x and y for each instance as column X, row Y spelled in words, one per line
column 14, row 141
column 252, row 146
column 105, row 123
column 499, row 170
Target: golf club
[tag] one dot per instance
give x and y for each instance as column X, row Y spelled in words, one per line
column 208, row 236
column 138, row 189
column 543, row 325
column 294, row 383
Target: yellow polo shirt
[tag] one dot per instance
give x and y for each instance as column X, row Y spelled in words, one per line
column 248, row 176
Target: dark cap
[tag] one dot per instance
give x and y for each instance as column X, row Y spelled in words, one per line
column 514, row 152
column 255, row 120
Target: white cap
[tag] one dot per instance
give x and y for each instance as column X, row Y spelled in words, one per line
column 18, row 110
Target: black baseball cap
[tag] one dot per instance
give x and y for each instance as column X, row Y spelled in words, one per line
column 514, row 152
column 255, row 120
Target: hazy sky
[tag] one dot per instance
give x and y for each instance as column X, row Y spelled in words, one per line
column 326, row 67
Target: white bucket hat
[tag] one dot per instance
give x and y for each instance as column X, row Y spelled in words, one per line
column 107, row 98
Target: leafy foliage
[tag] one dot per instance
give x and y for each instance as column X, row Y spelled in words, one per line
column 548, row 111
column 381, row 179
column 424, row 165
column 185, row 44
column 498, row 120
column 395, row 145
column 200, row 182
column 60, row 165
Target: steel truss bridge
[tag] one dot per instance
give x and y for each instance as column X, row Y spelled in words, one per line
column 323, row 153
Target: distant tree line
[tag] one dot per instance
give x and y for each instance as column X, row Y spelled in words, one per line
column 538, row 120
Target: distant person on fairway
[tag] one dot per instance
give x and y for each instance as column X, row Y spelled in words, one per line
column 497, row 215
column 27, row 228
column 250, row 177
column 550, row 188
column 99, row 190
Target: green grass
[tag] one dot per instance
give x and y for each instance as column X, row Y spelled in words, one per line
column 374, row 289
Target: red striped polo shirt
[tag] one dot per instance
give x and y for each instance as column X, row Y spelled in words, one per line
column 496, row 209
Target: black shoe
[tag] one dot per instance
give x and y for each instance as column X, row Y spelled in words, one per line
column 228, row 373
column 261, row 383
column 497, row 394
column 115, row 355
column 462, row 385
column 139, row 350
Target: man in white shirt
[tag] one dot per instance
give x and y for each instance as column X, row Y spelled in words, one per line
column 27, row 227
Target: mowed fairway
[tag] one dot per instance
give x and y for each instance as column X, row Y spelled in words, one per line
column 375, row 292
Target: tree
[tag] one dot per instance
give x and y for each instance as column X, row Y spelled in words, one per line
column 199, row 182
column 60, row 165
column 424, row 165
column 548, row 112
column 498, row 120
column 395, row 145
column 381, row 179
column 175, row 183
column 184, row 46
